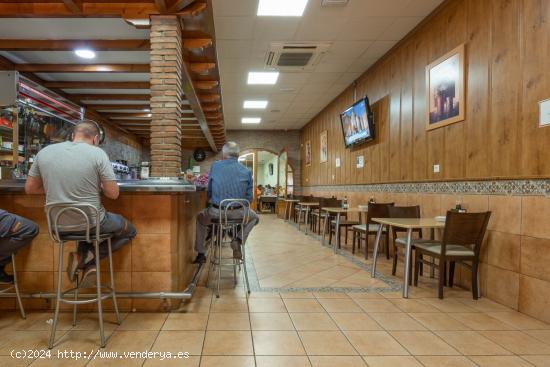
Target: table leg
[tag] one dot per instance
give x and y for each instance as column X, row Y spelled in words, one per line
column 375, row 249
column 327, row 218
column 432, row 260
column 408, row 250
column 286, row 206
column 299, row 217
column 337, row 232
column 307, row 218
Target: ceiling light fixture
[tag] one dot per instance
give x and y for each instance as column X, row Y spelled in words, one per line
column 255, row 104
column 263, row 77
column 281, row 8
column 85, row 53
column 251, row 120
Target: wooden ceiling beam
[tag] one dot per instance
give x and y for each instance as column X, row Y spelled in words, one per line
column 75, row 6
column 70, row 45
column 110, row 107
column 83, row 68
column 161, row 6
column 98, row 85
column 201, row 67
column 123, row 115
column 211, row 107
column 206, row 84
column 179, row 5
column 106, row 97
column 197, row 43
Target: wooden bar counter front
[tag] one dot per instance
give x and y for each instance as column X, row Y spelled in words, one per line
column 159, row 259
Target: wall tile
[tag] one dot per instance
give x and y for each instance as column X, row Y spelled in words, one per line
column 37, row 256
column 143, row 259
column 505, row 213
column 535, row 257
column 502, row 286
column 534, row 298
column 535, row 216
column 503, row 250
column 475, row 203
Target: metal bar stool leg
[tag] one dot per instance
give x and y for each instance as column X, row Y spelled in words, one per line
column 75, row 305
column 98, row 288
column 112, row 275
column 220, row 242
column 244, row 265
column 57, row 295
column 16, row 286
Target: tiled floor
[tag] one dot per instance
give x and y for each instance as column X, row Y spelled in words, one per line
column 294, row 329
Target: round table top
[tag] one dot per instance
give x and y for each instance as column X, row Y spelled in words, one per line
column 342, row 210
column 308, row 204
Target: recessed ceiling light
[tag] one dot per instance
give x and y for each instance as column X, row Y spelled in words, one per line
column 281, row 8
column 149, row 115
column 146, row 110
column 263, row 77
column 255, row 104
column 84, row 53
column 251, row 120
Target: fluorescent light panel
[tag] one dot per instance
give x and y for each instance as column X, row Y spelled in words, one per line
column 255, row 104
column 263, row 77
column 281, row 8
column 251, row 120
column 85, row 53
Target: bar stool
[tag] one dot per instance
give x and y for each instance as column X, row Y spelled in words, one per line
column 15, row 287
column 220, row 228
column 88, row 218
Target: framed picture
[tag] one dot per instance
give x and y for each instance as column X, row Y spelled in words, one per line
column 445, row 101
column 308, row 153
column 324, row 147
column 544, row 113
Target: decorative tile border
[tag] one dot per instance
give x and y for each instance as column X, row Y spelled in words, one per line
column 495, row 187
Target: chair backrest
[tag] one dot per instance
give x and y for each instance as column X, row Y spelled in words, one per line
column 333, row 203
column 72, row 218
column 378, row 210
column 403, row 212
column 228, row 205
column 465, row 229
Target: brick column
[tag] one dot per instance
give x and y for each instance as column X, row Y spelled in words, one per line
column 166, row 95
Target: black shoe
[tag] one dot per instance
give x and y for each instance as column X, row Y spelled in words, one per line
column 200, row 259
column 5, row 278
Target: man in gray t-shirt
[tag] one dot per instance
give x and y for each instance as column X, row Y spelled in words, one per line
column 78, row 171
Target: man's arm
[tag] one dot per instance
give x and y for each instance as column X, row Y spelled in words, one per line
column 110, row 189
column 249, row 188
column 109, row 186
column 34, row 186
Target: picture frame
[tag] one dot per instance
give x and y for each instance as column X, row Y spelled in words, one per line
column 308, row 153
column 324, row 147
column 445, row 93
column 544, row 113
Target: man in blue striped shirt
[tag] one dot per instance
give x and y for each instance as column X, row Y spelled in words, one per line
column 228, row 179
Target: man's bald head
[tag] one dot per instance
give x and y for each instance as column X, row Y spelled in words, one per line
column 86, row 131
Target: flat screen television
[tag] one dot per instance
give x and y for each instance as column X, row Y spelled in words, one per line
column 357, row 123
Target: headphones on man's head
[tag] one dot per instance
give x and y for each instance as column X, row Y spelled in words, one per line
column 99, row 128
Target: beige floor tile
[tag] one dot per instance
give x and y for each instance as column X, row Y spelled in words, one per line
column 55, row 361
column 179, row 341
column 8, row 361
column 227, row 343
column 143, row 321
column 228, row 321
column 517, row 342
column 79, row 341
column 396, row 321
column 195, row 305
column 484, row 305
column 392, row 361
column 445, row 361
column 277, row 343
column 500, row 361
column 538, row 361
column 423, row 343
column 312, row 321
column 131, row 341
column 303, row 305
column 191, row 361
column 355, row 321
column 376, row 305
column 412, row 305
column 363, row 295
column 471, row 343
column 285, row 295
column 282, row 361
column 519, row 320
column 438, row 321
column 330, row 295
column 480, row 321
column 186, row 321
column 270, row 321
column 26, row 340
column 337, row 361
column 264, row 295
column 375, row 343
column 226, row 361
column 448, row 305
column 542, row 335
column 339, row 305
column 89, row 321
column 229, row 305
column 321, row 343
column 13, row 320
column 266, row 305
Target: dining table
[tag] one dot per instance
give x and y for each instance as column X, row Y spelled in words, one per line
column 289, row 203
column 307, row 206
column 409, row 224
column 337, row 212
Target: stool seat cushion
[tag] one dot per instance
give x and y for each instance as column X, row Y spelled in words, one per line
column 345, row 222
column 402, row 241
column 82, row 237
column 450, row 250
column 229, row 221
column 363, row 228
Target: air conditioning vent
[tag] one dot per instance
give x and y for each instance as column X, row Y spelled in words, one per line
column 295, row 56
column 334, row 2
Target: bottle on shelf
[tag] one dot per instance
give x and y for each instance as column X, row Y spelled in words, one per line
column 345, row 204
column 372, row 200
column 458, row 207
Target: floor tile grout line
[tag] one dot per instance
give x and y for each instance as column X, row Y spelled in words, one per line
column 206, row 326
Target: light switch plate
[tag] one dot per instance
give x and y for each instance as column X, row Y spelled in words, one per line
column 436, row 168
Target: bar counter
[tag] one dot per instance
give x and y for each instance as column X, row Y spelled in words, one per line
column 157, row 260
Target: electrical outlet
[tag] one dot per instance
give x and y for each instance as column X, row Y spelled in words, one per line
column 436, row 168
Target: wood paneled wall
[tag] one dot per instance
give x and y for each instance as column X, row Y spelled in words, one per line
column 507, row 73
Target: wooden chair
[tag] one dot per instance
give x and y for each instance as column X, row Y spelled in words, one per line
column 375, row 210
column 359, row 230
column 317, row 215
column 403, row 212
column 462, row 239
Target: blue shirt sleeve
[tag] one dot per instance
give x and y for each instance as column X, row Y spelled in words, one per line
column 250, row 187
column 210, row 175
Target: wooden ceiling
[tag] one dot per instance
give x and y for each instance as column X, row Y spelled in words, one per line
column 115, row 102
